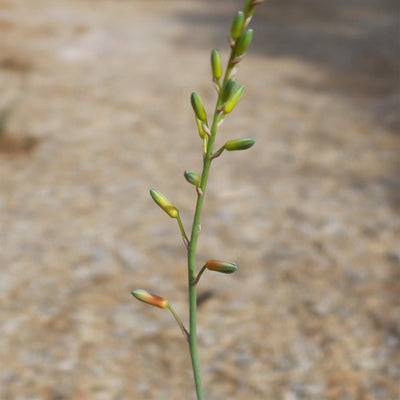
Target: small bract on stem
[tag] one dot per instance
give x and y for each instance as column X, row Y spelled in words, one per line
column 229, row 94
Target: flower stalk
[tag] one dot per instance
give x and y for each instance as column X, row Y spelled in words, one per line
column 228, row 87
column 228, row 96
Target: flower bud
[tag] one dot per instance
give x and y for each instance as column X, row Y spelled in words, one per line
column 239, row 144
column 227, row 90
column 237, row 25
column 198, row 106
column 243, row 42
column 149, row 298
column 249, row 8
column 221, row 266
column 164, row 203
column 202, row 134
column 216, row 64
column 234, row 99
column 192, row 178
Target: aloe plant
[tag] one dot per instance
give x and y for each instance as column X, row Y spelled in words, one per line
column 229, row 94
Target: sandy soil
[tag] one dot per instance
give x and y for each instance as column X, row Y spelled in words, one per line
column 100, row 112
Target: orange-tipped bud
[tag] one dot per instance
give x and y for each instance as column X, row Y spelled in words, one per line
column 221, row 266
column 164, row 203
column 239, row 144
column 150, row 298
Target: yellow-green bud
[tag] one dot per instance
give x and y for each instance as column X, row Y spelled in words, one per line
column 221, row 266
column 202, row 134
column 243, row 42
column 239, row 144
column 216, row 64
column 249, row 8
column 150, row 298
column 198, row 107
column 164, row 203
column 237, row 25
column 234, row 99
column 227, row 90
column 192, row 178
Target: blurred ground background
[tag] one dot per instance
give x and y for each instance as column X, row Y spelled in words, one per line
column 99, row 98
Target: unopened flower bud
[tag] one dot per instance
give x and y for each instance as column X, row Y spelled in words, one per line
column 237, row 25
column 221, row 266
column 164, row 203
column 216, row 64
column 234, row 99
column 227, row 90
column 249, row 8
column 192, row 178
column 198, row 107
column 239, row 144
column 199, row 123
column 150, row 298
column 243, row 42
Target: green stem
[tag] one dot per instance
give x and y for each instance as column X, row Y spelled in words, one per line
column 196, row 280
column 182, row 229
column 192, row 260
column 179, row 321
column 194, row 238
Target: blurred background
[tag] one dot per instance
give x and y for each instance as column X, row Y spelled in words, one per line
column 95, row 110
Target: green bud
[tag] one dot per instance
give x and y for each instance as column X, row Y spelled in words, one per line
column 234, row 99
column 198, row 106
column 227, row 90
column 243, row 42
column 249, row 8
column 164, row 203
column 221, row 266
column 150, row 298
column 216, row 64
column 192, row 178
column 202, row 134
column 239, row 144
column 237, row 25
